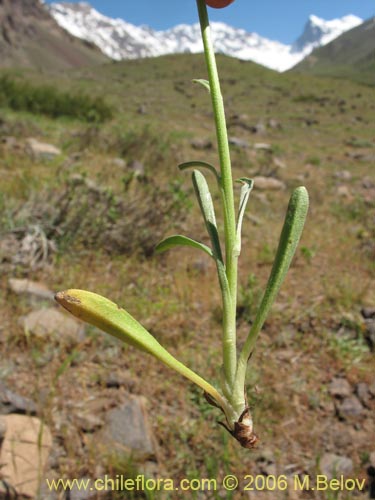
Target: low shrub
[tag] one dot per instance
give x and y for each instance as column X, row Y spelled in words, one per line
column 44, row 99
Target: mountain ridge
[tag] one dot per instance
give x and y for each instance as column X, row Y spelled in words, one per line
column 119, row 39
column 30, row 37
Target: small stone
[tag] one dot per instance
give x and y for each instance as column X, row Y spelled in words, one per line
column 98, row 404
column 142, row 109
column 275, row 124
column 285, row 336
column 201, row 144
column 263, row 146
column 350, row 408
column 259, row 128
column 9, row 244
column 24, row 453
column 127, row 430
column 328, row 406
column 9, row 142
column 239, row 143
column 368, row 183
column 262, row 197
column 198, row 266
column 278, row 162
column 119, row 162
column 89, row 493
column 77, row 180
column 343, row 191
column 286, row 355
column 342, row 437
column 332, row 465
column 343, row 175
column 33, row 290
column 339, row 387
column 47, row 322
column 93, row 186
column 268, row 183
column 58, row 453
column 266, row 463
column 3, row 429
column 88, row 422
column 11, row 402
column 117, row 380
column 363, row 393
column 370, row 332
column 41, row 150
column 368, row 312
column 44, row 492
column 137, row 168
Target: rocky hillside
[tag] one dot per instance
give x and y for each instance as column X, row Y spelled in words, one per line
column 29, row 37
column 350, row 55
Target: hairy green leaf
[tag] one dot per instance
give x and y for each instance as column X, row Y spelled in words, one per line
column 207, row 208
column 244, row 198
column 111, row 318
column 204, row 83
column 180, row 240
column 289, row 238
column 202, row 164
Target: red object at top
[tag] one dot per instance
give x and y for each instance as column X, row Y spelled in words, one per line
column 218, row 4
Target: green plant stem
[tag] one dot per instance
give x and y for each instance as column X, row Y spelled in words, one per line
column 231, row 257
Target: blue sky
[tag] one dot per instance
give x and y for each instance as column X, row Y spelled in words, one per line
column 281, row 20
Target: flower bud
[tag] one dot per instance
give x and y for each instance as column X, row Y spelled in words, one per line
column 218, row 4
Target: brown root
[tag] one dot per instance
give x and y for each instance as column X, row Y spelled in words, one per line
column 243, row 430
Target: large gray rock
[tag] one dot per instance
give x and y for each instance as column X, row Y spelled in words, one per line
column 41, row 150
column 127, row 430
column 51, row 322
column 24, row 454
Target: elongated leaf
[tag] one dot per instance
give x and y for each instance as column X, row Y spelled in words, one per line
column 244, row 198
column 111, row 318
column 205, row 83
column 202, row 164
column 207, row 208
column 289, row 238
column 180, row 240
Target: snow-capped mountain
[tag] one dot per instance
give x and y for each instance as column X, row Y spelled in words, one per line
column 121, row 40
column 318, row 32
